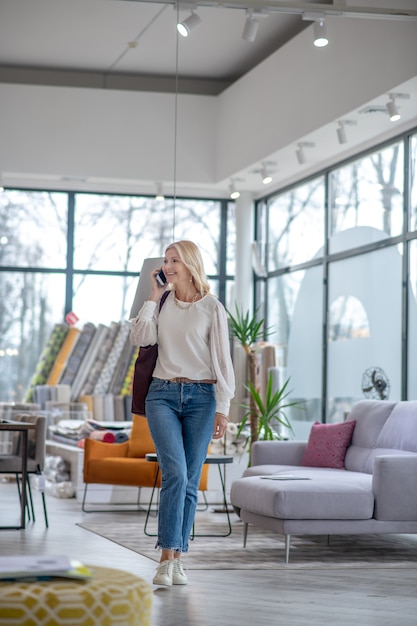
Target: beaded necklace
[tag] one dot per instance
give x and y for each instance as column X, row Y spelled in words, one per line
column 185, row 305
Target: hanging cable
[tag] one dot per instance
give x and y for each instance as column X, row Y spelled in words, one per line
column 175, row 126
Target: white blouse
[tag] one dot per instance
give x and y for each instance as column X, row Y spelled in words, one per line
column 193, row 342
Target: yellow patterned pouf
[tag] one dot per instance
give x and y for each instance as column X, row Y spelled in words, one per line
column 110, row 598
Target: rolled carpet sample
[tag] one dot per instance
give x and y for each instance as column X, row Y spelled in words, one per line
column 103, row 435
column 121, row 437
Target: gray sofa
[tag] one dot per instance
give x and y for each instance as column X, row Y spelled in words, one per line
column 375, row 492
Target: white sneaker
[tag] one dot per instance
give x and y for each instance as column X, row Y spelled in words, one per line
column 178, row 575
column 163, row 574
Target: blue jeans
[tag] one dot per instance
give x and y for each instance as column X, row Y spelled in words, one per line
column 181, row 421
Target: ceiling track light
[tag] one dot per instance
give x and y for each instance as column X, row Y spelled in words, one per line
column 341, row 130
column 253, row 18
column 265, row 174
column 301, row 157
column 394, row 114
column 265, row 171
column 320, row 33
column 341, row 134
column 233, row 192
column 189, row 24
column 300, row 154
column 159, row 192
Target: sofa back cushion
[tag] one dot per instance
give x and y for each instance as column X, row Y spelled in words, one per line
column 382, row 428
column 400, row 429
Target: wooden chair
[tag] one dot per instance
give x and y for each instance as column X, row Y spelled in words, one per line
column 124, row 464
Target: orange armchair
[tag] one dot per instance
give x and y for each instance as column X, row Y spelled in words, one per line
column 125, row 463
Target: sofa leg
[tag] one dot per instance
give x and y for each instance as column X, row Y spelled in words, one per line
column 245, row 534
column 287, row 548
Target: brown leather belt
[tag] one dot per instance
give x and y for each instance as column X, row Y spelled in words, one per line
column 189, row 380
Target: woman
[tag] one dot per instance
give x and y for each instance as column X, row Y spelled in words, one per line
column 189, row 397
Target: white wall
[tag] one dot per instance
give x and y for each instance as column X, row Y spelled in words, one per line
column 101, row 133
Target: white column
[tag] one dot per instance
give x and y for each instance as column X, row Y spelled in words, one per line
column 243, row 294
column 244, row 239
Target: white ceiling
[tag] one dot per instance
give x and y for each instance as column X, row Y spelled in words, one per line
column 94, row 36
column 133, row 45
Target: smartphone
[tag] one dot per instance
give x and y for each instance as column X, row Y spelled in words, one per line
column 160, row 278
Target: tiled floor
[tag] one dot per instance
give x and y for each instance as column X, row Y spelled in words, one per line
column 345, row 597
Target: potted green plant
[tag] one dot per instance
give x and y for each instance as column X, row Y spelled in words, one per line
column 270, row 413
column 263, row 414
column 247, row 331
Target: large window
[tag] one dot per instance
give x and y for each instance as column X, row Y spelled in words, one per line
column 364, row 330
column 82, row 252
column 33, row 229
column 31, row 303
column 115, row 233
column 295, row 319
column 345, row 316
column 296, row 225
column 367, row 195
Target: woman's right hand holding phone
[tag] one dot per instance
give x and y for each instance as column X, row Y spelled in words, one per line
column 158, row 281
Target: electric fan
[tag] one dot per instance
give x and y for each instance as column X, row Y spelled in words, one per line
column 375, row 384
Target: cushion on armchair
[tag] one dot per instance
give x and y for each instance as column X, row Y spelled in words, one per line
column 327, row 444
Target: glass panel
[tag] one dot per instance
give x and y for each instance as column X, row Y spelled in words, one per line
column 367, row 199
column 31, row 303
column 262, row 232
column 230, row 295
column 347, row 319
column 214, row 286
column 33, row 229
column 116, row 233
column 298, row 341
column 412, row 323
column 103, row 299
column 413, row 176
column 364, row 340
column 296, row 225
column 199, row 221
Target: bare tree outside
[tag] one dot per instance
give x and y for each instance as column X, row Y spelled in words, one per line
column 296, row 234
column 369, row 192
column 33, row 232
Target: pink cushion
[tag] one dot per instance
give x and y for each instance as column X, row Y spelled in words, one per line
column 327, row 444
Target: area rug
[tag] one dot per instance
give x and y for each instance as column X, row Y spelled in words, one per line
column 265, row 549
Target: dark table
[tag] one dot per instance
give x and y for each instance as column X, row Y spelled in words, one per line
column 23, row 428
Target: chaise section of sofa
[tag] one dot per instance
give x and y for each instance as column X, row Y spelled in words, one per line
column 375, row 490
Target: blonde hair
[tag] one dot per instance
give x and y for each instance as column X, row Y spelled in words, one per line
column 190, row 255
